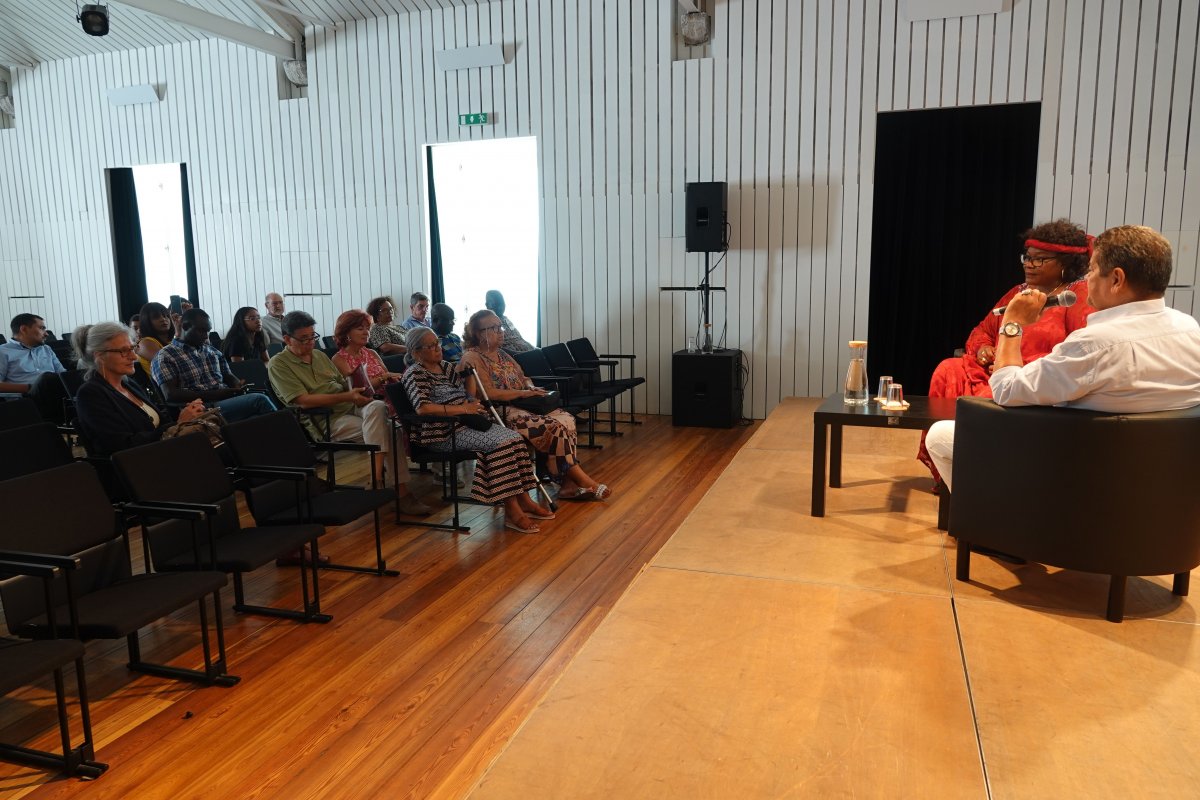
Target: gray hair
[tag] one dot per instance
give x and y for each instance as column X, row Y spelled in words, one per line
column 414, row 336
column 87, row 339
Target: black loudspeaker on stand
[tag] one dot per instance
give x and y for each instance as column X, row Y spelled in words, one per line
column 706, row 213
column 706, row 388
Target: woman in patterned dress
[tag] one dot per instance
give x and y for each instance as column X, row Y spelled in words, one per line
column 503, row 471
column 553, row 433
column 385, row 337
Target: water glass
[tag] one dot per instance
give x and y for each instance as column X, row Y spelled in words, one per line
column 691, row 344
column 895, row 397
column 885, row 381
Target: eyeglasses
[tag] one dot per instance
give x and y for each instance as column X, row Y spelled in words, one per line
column 428, row 346
column 306, row 339
column 490, row 328
column 254, row 318
column 1037, row 261
column 121, row 351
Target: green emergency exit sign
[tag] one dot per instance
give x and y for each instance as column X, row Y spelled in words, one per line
column 478, row 118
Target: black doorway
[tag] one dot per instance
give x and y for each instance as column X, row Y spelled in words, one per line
column 954, row 189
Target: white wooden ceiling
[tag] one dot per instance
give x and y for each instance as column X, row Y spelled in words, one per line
column 33, row 31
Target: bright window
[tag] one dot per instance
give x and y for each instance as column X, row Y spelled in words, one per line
column 487, row 206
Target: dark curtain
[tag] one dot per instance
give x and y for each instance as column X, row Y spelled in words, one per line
column 188, row 243
column 954, row 189
column 437, row 288
column 127, row 243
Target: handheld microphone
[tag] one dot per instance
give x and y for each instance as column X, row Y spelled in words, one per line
column 1066, row 299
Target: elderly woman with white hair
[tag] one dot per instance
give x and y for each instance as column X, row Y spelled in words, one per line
column 503, row 471
column 114, row 412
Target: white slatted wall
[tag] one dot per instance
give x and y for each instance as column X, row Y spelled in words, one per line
column 323, row 194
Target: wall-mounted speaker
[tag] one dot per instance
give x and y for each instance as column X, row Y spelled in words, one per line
column 705, row 226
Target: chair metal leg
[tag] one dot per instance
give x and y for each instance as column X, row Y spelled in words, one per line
column 962, row 564
column 1116, row 599
column 1182, row 581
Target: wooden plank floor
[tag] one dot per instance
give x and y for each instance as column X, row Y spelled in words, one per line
column 417, row 683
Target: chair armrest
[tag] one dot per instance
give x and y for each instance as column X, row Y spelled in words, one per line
column 28, row 569
column 43, row 559
column 557, row 380
column 574, row 370
column 361, row 447
column 283, row 473
column 629, row 356
column 173, row 510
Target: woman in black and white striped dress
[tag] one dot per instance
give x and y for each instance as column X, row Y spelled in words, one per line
column 503, row 471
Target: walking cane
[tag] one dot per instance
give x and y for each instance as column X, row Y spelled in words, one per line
column 496, row 415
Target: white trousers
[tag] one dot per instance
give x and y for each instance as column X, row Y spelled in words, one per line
column 368, row 424
column 940, row 444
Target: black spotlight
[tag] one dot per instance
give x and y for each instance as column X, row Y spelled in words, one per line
column 94, row 20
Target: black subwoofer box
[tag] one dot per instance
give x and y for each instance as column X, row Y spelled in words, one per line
column 706, row 388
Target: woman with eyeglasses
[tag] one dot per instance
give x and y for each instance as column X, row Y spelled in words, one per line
column 1054, row 260
column 503, row 471
column 114, row 412
column 552, row 434
column 246, row 338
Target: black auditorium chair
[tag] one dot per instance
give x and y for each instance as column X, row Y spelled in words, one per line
column 24, row 661
column 214, row 339
column 18, row 413
column 32, row 448
column 274, row 347
column 586, row 356
column 397, row 362
column 64, row 351
column 1141, row 513
column 113, row 603
column 575, row 398
column 406, row 417
column 186, row 474
column 559, row 357
column 279, row 467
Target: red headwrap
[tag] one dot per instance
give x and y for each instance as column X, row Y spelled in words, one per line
column 1062, row 248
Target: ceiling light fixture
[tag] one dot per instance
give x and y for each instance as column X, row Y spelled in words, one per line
column 94, row 19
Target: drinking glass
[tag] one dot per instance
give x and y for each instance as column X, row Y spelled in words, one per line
column 895, row 397
column 885, row 381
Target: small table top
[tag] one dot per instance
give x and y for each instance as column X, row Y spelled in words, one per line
column 920, row 414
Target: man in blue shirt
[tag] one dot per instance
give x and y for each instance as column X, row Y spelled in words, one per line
column 418, row 306
column 442, row 317
column 29, row 368
column 190, row 368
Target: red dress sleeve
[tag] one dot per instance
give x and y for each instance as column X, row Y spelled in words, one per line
column 988, row 329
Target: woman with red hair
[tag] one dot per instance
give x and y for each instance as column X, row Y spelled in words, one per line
column 1054, row 261
column 362, row 365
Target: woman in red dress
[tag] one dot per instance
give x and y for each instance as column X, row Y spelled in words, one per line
column 1055, row 259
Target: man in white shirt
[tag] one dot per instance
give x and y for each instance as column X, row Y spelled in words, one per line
column 272, row 323
column 1134, row 355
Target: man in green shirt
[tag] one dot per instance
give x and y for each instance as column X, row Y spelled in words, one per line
column 303, row 375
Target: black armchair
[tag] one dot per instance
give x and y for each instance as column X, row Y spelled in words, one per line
column 188, row 508
column 18, row 413
column 275, row 458
column 112, row 602
column 1136, row 511
column 22, row 661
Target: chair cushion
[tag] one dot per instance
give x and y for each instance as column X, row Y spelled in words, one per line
column 23, row 662
column 124, row 607
column 338, row 507
column 249, row 548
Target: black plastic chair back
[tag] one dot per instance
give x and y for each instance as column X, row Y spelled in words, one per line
column 274, row 348
column 214, row 339
column 19, row 413
column 64, row 351
column 583, row 351
column 270, row 440
column 183, row 469
column 36, row 519
column 33, row 448
column 533, row 362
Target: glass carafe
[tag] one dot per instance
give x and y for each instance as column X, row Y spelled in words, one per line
column 857, row 383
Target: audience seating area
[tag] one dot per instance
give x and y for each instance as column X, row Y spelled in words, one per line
column 67, row 570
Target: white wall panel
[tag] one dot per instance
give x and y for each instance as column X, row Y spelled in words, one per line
column 324, row 195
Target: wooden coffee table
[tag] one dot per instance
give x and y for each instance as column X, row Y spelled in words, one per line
column 833, row 415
